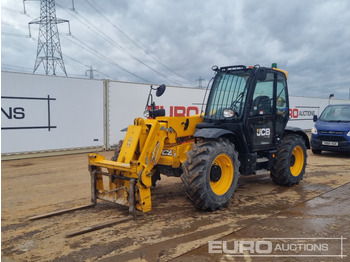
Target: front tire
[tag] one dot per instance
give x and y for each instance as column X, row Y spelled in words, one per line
column 290, row 161
column 211, row 174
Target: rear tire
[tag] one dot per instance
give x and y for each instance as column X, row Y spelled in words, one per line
column 290, row 161
column 211, row 173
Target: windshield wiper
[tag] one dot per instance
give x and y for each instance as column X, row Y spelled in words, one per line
column 234, row 103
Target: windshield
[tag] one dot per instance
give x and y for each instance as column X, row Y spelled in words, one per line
column 227, row 92
column 336, row 113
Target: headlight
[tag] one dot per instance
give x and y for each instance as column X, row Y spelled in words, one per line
column 146, row 113
column 348, row 134
column 228, row 113
column 314, row 130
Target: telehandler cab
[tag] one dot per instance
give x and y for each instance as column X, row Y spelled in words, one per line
column 241, row 132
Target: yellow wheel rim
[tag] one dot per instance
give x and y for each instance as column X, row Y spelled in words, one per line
column 221, row 174
column 297, row 161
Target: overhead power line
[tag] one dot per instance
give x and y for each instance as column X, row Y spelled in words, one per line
column 15, row 67
column 91, row 26
column 86, row 22
column 75, row 60
column 14, row 25
column 13, row 34
column 101, row 56
column 133, row 41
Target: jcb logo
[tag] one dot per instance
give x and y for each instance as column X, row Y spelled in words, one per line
column 263, row 132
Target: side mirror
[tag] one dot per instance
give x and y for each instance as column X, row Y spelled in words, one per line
column 160, row 90
column 314, row 118
column 150, row 108
column 260, row 73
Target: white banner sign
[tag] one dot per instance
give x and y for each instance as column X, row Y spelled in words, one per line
column 40, row 113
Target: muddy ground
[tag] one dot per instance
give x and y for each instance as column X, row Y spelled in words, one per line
column 317, row 210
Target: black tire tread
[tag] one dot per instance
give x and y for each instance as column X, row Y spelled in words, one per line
column 195, row 185
column 280, row 172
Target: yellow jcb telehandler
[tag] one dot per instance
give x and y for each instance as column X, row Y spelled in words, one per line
column 242, row 131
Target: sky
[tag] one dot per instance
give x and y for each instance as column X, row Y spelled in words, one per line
column 177, row 42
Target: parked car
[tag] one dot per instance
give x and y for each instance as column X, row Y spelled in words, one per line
column 332, row 129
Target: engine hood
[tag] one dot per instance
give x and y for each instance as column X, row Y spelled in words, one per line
column 332, row 126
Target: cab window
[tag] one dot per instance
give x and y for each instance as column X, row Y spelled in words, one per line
column 263, row 97
column 281, row 105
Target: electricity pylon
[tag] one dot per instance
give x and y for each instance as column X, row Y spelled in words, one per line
column 49, row 51
column 200, row 81
column 91, row 73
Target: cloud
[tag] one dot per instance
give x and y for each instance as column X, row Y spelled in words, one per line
column 175, row 42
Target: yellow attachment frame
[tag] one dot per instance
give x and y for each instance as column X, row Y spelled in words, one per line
column 147, row 143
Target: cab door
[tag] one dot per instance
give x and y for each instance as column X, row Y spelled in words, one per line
column 282, row 106
column 260, row 123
